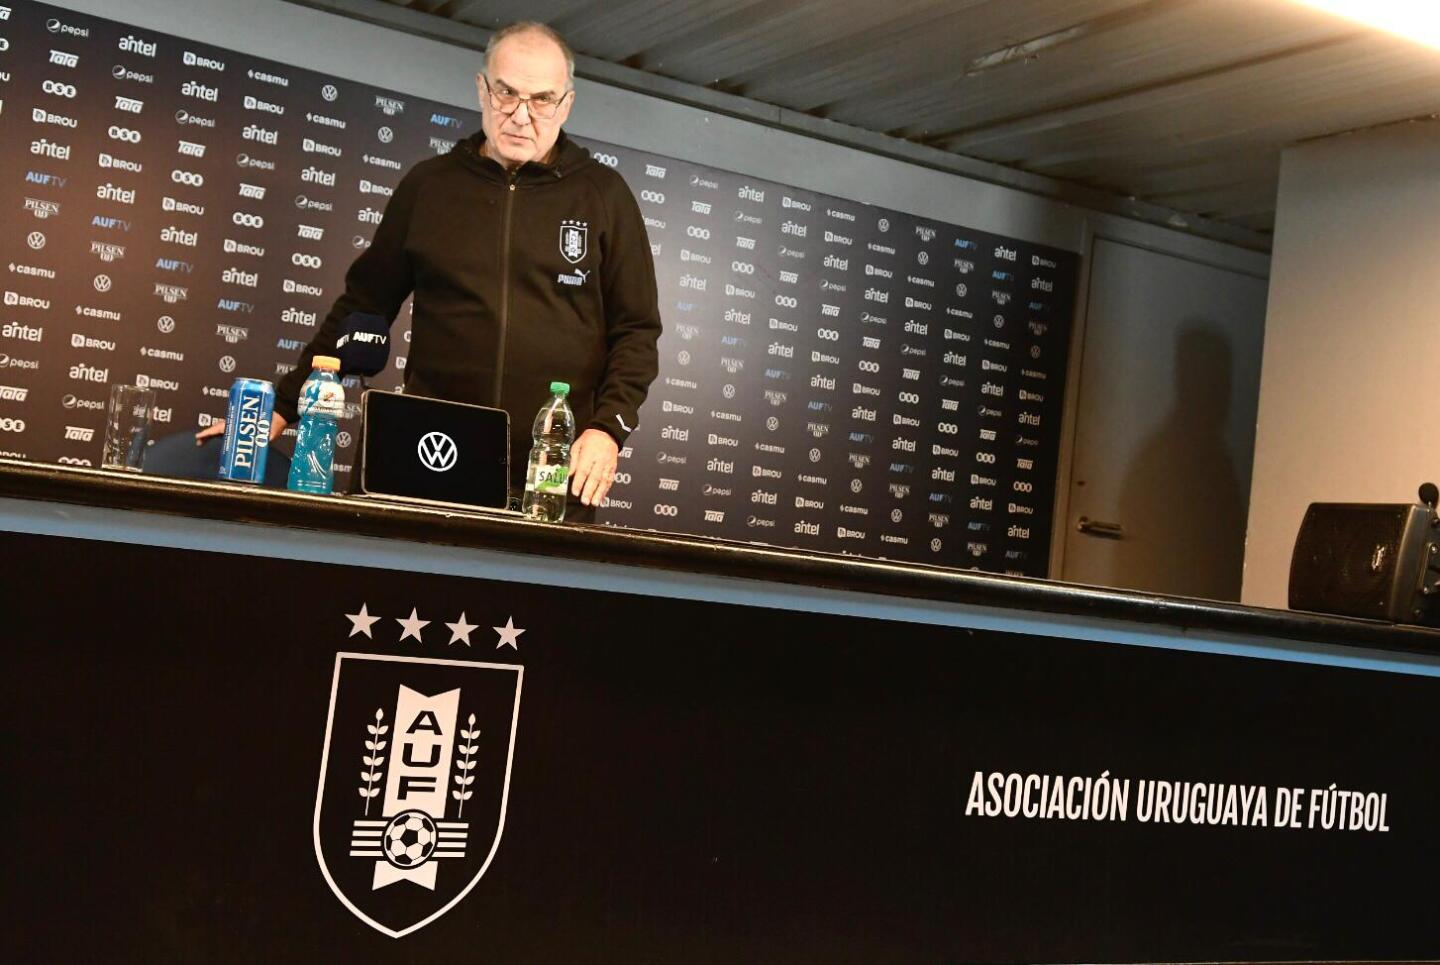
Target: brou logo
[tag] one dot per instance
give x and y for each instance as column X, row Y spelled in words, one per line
column 437, row 452
column 431, row 742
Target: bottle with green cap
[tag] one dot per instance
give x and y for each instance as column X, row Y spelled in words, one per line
column 549, row 470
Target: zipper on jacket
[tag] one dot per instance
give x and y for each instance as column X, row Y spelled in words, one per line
column 504, row 289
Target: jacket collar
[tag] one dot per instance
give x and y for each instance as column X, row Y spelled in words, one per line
column 567, row 159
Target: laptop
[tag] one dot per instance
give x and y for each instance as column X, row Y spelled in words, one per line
column 432, row 451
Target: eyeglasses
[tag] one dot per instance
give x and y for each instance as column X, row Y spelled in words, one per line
column 507, row 101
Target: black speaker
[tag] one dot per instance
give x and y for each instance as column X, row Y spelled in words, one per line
column 1374, row 560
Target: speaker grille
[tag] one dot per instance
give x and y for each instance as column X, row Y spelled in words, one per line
column 1346, row 557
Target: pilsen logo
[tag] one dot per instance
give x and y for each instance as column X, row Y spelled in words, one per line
column 574, row 240
column 428, row 746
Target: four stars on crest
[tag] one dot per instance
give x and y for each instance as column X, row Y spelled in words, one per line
column 412, row 626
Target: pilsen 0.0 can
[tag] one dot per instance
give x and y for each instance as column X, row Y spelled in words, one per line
column 247, row 431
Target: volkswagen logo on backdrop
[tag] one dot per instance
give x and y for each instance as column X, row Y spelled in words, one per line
column 437, row 452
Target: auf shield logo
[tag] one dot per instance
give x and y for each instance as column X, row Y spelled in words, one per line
column 437, row 451
column 428, row 744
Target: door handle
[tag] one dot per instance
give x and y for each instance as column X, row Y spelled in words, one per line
column 1093, row 527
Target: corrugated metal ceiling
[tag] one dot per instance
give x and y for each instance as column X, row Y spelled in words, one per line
column 1185, row 104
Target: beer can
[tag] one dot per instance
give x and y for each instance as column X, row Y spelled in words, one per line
column 247, row 431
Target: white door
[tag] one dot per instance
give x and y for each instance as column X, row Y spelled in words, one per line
column 1165, row 425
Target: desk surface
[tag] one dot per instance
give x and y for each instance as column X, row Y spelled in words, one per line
column 669, row 552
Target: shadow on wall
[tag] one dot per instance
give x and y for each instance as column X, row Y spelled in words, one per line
column 1186, row 464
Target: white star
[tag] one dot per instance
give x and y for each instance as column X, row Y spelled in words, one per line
column 460, row 630
column 361, row 622
column 509, row 635
column 412, row 626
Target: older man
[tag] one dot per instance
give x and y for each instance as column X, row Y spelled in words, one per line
column 528, row 262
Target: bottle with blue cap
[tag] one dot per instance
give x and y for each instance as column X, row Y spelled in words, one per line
column 549, row 470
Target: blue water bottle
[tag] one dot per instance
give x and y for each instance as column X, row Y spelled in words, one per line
column 321, row 404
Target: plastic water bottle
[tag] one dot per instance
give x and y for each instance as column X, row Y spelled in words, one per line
column 321, row 404
column 549, row 470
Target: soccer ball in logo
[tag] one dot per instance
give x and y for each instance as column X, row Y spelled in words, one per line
column 410, row 839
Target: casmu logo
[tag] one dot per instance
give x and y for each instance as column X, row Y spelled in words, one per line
column 437, row 452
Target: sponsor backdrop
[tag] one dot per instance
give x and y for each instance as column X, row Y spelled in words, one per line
column 833, row 375
column 490, row 776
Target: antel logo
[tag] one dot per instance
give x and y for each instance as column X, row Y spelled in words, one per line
column 437, row 452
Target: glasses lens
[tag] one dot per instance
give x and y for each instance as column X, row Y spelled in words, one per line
column 508, row 102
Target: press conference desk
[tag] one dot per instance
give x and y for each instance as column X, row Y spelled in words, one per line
column 725, row 752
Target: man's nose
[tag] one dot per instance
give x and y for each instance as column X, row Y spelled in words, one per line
column 524, row 105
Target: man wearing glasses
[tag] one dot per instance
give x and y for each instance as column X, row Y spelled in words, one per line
column 529, row 263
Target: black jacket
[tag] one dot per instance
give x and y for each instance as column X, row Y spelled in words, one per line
column 519, row 280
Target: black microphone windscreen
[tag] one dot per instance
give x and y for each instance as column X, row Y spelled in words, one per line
column 363, row 344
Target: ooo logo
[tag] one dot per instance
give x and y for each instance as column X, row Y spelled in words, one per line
column 12, row 425
column 66, row 91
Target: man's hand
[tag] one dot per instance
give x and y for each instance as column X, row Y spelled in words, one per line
column 216, row 428
column 592, row 465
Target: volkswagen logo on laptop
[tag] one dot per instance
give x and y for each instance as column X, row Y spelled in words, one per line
column 438, row 451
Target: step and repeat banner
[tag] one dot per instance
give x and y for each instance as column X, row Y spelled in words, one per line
column 400, row 767
column 834, row 376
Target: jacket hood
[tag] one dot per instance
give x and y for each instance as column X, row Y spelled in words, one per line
column 569, row 158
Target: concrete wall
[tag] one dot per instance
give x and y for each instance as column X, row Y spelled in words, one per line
column 1348, row 380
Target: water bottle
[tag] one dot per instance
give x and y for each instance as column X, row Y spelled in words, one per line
column 321, row 404
column 549, row 470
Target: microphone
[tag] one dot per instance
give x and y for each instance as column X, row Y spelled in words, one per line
column 1429, row 495
column 363, row 345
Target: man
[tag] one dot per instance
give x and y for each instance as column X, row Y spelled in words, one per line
column 529, row 263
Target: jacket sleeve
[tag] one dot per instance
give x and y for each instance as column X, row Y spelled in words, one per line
column 632, row 317
column 377, row 283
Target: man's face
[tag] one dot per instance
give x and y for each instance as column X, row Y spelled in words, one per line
column 526, row 64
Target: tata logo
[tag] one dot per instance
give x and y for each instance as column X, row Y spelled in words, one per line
column 428, row 744
column 437, row 452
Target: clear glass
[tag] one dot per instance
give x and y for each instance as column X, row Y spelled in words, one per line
column 127, row 428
